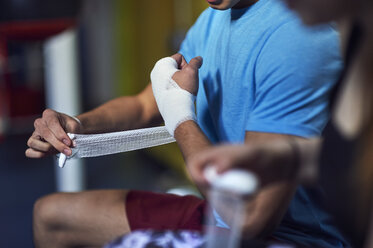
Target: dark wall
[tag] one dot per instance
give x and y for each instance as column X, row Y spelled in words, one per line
column 11, row 10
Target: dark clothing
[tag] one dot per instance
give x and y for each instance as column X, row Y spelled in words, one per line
column 338, row 157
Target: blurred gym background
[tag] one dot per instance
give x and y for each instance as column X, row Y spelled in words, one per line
column 112, row 46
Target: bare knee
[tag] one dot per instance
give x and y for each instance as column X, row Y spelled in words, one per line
column 49, row 222
column 47, row 212
column 85, row 219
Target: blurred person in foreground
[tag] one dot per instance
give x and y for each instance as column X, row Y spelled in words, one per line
column 341, row 161
column 264, row 77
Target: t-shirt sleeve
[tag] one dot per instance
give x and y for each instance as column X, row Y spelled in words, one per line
column 295, row 71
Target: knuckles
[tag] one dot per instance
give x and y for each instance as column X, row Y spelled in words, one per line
column 48, row 112
column 191, row 71
column 38, row 122
column 30, row 142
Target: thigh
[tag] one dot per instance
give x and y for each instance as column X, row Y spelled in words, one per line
column 90, row 217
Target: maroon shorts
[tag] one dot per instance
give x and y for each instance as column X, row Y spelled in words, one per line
column 147, row 210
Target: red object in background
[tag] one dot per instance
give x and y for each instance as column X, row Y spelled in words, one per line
column 17, row 101
column 4, row 100
column 24, row 101
column 34, row 30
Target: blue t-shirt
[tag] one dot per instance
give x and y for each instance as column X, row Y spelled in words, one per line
column 264, row 71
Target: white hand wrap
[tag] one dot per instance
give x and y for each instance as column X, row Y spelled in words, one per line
column 175, row 104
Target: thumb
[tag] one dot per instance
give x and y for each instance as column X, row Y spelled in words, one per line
column 196, row 62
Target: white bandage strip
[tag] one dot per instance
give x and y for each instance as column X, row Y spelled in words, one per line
column 175, row 104
column 94, row 145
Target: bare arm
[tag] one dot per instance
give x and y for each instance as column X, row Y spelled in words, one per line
column 266, row 210
column 123, row 113
column 271, row 161
column 191, row 140
column 279, row 161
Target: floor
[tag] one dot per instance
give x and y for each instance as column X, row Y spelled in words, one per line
column 24, row 180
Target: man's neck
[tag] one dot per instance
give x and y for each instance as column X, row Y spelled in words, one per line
column 244, row 3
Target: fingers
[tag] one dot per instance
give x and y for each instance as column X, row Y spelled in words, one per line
column 179, row 59
column 183, row 62
column 38, row 147
column 196, row 62
column 198, row 164
column 222, row 158
column 187, row 77
column 54, row 121
column 50, row 136
column 197, row 173
column 45, row 131
column 31, row 153
column 37, row 143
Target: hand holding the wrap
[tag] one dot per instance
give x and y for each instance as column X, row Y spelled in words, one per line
column 50, row 134
column 175, row 84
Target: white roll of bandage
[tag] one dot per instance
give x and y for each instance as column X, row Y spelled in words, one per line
column 235, row 180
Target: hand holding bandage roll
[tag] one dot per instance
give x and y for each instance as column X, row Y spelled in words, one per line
column 175, row 83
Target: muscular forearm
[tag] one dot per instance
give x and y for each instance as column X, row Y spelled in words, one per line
column 309, row 155
column 190, row 139
column 284, row 159
column 123, row 113
column 265, row 211
column 297, row 162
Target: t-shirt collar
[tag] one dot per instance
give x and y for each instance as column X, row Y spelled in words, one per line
column 248, row 11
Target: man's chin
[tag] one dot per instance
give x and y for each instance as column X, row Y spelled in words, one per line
column 218, row 4
column 218, row 7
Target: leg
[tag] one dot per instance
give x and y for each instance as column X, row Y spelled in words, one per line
column 86, row 219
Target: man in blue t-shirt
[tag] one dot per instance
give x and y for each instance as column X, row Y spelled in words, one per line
column 264, row 77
